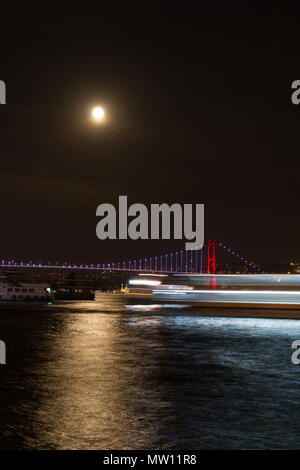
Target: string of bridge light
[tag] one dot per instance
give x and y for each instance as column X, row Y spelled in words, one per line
column 241, row 258
column 178, row 261
column 167, row 262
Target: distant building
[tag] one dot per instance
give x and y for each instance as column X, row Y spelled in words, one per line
column 295, row 267
column 278, row 268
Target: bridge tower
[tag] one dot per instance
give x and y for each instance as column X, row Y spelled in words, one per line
column 211, row 257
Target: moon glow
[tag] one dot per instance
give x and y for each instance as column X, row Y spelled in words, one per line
column 98, row 114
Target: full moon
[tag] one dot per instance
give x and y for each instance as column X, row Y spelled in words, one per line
column 98, row 114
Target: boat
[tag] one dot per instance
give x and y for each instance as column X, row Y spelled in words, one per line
column 11, row 290
column 67, row 292
column 255, row 291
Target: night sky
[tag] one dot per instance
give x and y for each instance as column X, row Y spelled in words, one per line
column 199, row 110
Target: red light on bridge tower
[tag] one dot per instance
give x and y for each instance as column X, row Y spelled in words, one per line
column 211, row 257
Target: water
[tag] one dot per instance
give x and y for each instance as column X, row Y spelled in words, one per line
column 100, row 375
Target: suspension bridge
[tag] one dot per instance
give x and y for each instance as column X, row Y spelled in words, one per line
column 180, row 261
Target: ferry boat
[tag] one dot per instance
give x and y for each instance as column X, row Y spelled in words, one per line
column 74, row 293
column 255, row 291
column 11, row 290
